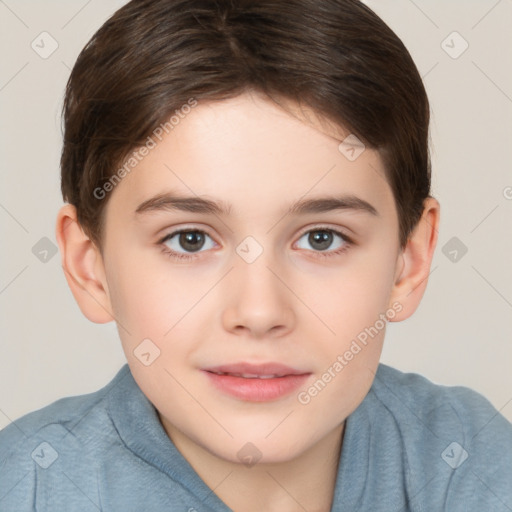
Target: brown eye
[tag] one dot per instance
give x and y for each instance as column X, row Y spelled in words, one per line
column 191, row 240
column 322, row 239
column 184, row 242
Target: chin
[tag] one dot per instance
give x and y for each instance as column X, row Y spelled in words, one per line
column 250, row 450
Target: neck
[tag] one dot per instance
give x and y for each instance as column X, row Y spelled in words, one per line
column 306, row 482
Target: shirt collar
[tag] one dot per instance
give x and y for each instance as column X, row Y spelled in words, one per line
column 138, row 425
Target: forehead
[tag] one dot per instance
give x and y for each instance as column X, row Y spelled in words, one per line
column 253, row 155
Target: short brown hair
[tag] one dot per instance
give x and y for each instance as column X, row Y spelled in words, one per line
column 335, row 56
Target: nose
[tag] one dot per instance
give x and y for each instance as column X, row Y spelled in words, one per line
column 258, row 302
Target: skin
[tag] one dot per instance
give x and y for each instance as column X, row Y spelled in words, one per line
column 290, row 305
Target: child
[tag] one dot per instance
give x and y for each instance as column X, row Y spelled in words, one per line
column 288, row 141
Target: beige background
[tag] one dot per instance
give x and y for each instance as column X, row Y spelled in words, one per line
column 462, row 332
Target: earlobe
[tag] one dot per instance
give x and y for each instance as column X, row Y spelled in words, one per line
column 413, row 264
column 83, row 267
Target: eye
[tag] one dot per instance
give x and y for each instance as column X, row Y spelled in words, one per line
column 322, row 239
column 191, row 240
column 185, row 243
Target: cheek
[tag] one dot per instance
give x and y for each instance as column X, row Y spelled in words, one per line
column 348, row 357
column 354, row 296
column 152, row 299
column 142, row 298
column 354, row 301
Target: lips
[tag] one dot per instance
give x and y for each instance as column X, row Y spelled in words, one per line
column 250, row 371
column 256, row 383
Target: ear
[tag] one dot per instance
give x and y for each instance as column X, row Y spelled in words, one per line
column 413, row 263
column 83, row 267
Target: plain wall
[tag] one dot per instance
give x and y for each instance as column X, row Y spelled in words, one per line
column 462, row 332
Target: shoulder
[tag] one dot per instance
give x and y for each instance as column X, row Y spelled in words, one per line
column 63, row 416
column 451, row 435
column 53, row 434
column 435, row 404
column 415, row 391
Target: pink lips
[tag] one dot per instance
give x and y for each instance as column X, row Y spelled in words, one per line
column 256, row 383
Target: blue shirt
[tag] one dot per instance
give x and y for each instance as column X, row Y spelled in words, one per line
column 411, row 445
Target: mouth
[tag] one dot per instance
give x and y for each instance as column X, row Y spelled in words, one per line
column 256, row 383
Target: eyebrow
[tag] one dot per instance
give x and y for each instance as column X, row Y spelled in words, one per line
column 172, row 202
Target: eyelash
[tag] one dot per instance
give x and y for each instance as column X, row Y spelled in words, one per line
column 322, row 254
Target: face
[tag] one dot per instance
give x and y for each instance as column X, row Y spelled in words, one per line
column 277, row 272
